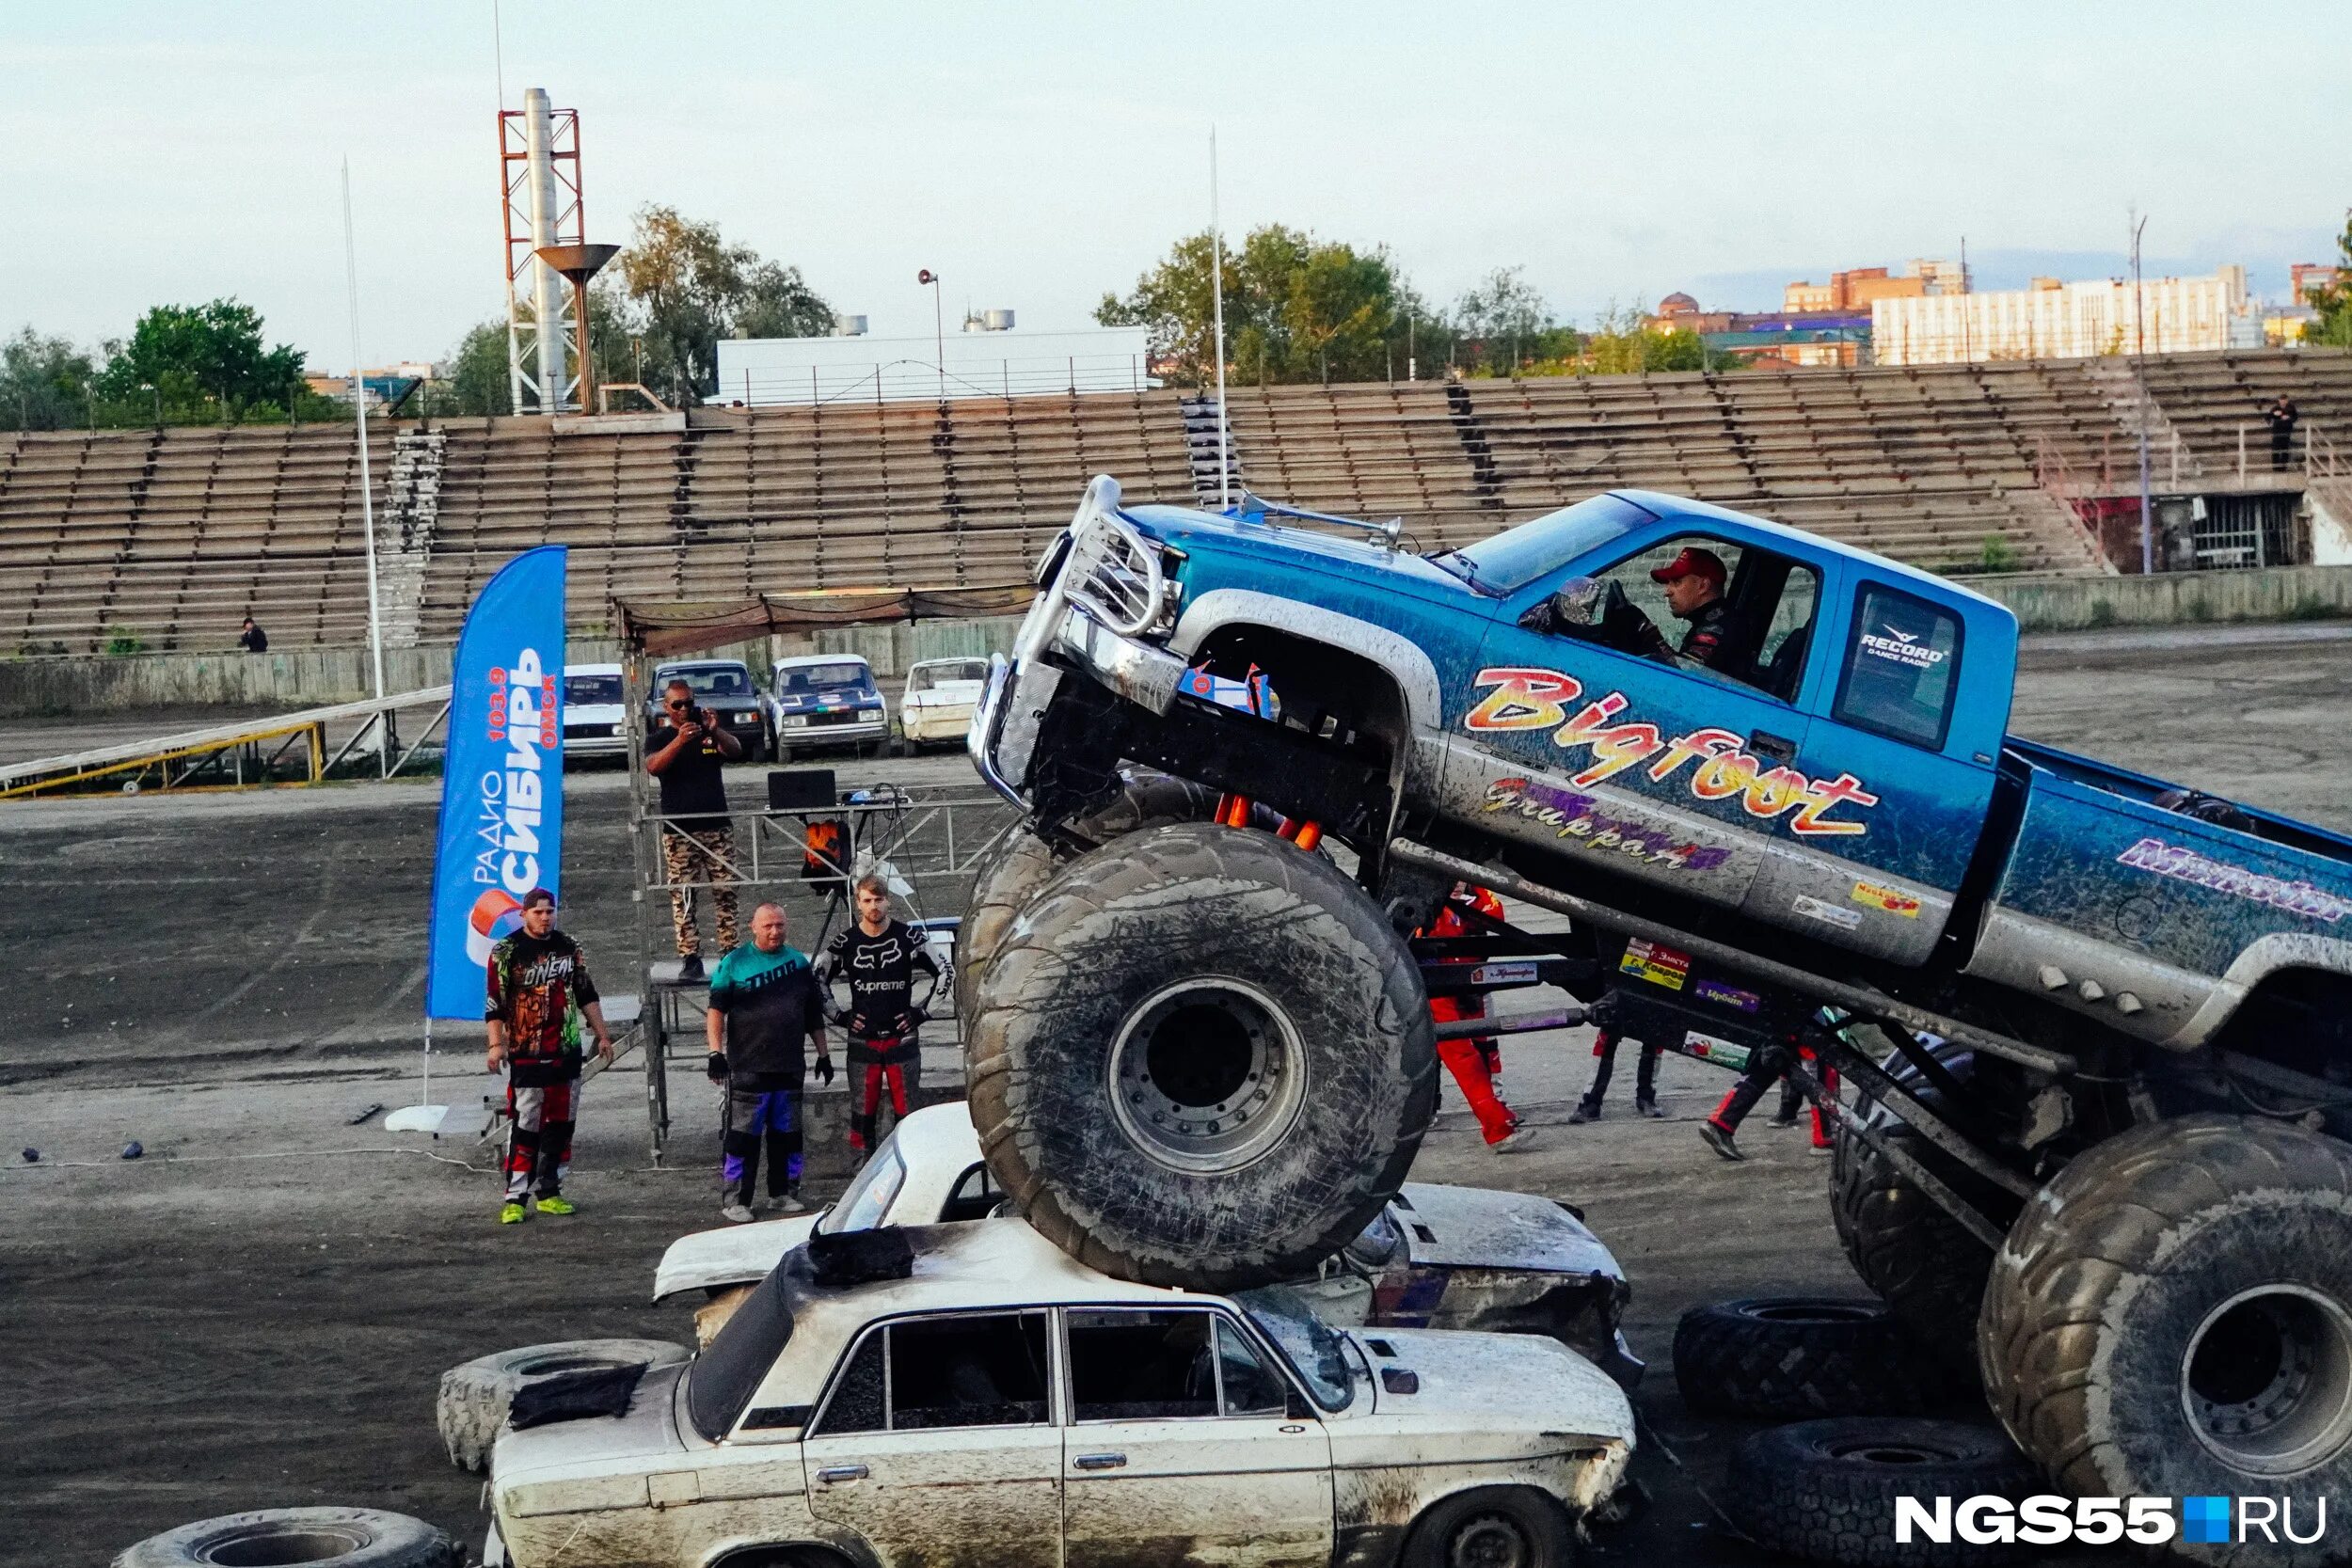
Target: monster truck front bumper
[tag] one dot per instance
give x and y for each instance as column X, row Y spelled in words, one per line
column 1103, row 593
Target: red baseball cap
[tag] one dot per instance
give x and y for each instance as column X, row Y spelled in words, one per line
column 1693, row 562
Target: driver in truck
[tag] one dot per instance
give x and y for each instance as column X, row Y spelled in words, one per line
column 1693, row 581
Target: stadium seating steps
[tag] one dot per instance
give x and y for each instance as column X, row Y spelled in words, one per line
column 166, row 539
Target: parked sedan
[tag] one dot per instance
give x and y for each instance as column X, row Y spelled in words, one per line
column 595, row 709
column 969, row 1395
column 825, row 700
column 1451, row 1257
column 723, row 685
column 939, row 696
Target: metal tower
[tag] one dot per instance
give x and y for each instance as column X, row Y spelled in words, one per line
column 540, row 190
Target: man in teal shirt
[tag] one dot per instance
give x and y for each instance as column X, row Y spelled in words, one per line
column 764, row 1002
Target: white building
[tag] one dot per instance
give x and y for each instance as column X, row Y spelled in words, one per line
column 2052, row 319
column 979, row 363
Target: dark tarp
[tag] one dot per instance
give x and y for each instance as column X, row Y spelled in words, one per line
column 677, row 629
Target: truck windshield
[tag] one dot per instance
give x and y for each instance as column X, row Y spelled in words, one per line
column 1518, row 556
column 1313, row 1351
column 800, row 679
column 725, row 1376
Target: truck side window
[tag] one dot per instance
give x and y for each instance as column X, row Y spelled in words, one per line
column 1897, row 675
column 1758, row 637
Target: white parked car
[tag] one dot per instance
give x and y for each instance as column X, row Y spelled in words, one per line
column 1450, row 1257
column 596, row 711
column 939, row 696
column 995, row 1401
column 822, row 700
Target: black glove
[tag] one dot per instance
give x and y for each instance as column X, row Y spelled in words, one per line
column 824, row 1069
column 717, row 1067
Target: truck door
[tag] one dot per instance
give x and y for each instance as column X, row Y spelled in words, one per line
column 1887, row 713
column 1601, row 743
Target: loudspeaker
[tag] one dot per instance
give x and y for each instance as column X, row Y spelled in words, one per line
column 800, row 789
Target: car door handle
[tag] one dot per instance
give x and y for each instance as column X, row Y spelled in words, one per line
column 1098, row 1462
column 832, row 1474
column 1778, row 748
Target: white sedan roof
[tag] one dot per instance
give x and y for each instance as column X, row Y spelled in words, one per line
column 797, row 661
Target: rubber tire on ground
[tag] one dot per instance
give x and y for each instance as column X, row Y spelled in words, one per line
column 1826, row 1491
column 1797, row 1356
column 1503, row 1515
column 1921, row 1262
column 2101, row 1287
column 475, row 1397
column 1116, row 927
column 305, row 1535
column 1026, row 862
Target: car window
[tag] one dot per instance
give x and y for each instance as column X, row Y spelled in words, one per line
column 866, row 1199
column 728, row 1371
column 1760, row 637
column 1313, row 1351
column 1246, row 1385
column 976, row 1194
column 858, row 1401
column 801, row 679
column 1899, row 661
column 587, row 690
column 984, row 1369
column 708, row 682
column 1141, row 1365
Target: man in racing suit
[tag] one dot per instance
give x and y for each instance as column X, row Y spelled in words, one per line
column 1693, row 581
column 1473, row 1062
column 538, row 991
column 877, row 956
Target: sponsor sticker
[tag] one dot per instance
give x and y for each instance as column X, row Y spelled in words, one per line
column 2187, row 865
column 1707, row 1048
column 1712, row 766
column 1656, row 962
column 1584, row 820
column 1729, row 996
column 1814, row 908
column 1894, row 900
column 1898, row 646
column 1520, row 971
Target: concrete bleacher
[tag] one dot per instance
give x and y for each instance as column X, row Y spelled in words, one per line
column 169, row 538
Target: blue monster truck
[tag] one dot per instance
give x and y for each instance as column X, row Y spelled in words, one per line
column 2105, row 1135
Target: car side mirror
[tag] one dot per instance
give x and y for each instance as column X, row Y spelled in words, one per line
column 1578, row 609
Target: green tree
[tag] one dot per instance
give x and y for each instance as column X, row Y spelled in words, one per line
column 201, row 358
column 689, row 288
column 1296, row 309
column 1504, row 324
column 477, row 372
column 44, row 382
column 2334, row 303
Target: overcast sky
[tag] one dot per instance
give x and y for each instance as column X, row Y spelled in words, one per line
column 1037, row 155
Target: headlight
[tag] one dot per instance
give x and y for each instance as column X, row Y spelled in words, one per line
column 796, row 721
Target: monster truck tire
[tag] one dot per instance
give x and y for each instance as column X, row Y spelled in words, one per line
column 1200, row 1057
column 1510, row 1526
column 1027, row 862
column 475, row 1397
column 332, row 1537
column 2172, row 1317
column 1920, row 1260
column 1826, row 1491
column 1791, row 1357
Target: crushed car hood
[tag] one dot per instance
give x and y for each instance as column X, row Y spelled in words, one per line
column 595, row 1461
column 1514, row 1387
column 1474, row 1227
column 735, row 1256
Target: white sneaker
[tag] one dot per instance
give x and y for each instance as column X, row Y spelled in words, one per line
column 1517, row 1138
column 735, row 1212
column 789, row 1204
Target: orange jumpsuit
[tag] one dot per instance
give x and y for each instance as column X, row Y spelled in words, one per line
column 1471, row 1062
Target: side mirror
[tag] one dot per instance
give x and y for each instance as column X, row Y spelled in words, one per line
column 1581, row 603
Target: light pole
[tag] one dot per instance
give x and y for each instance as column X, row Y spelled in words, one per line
column 150, row 386
column 939, row 326
column 2140, row 391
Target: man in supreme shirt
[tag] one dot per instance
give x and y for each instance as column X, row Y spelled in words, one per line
column 877, row 956
column 539, row 989
column 764, row 1002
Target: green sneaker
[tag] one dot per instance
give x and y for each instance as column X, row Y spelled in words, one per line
column 513, row 1213
column 552, row 1204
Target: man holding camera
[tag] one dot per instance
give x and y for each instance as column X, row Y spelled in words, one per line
column 764, row 1002
column 697, row 842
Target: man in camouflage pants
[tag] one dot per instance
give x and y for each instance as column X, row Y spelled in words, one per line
column 697, row 842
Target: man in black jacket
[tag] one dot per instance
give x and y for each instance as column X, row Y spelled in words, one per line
column 539, row 993
column 878, row 956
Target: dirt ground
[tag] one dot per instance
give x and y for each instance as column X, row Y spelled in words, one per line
column 256, row 1311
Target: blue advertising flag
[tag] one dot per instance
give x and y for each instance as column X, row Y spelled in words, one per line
column 503, row 782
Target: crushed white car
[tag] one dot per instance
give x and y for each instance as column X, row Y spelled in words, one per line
column 1450, row 1257
column 982, row 1399
column 940, row 697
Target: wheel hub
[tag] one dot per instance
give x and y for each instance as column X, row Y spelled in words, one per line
column 1490, row 1541
column 2266, row 1382
column 1206, row 1075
